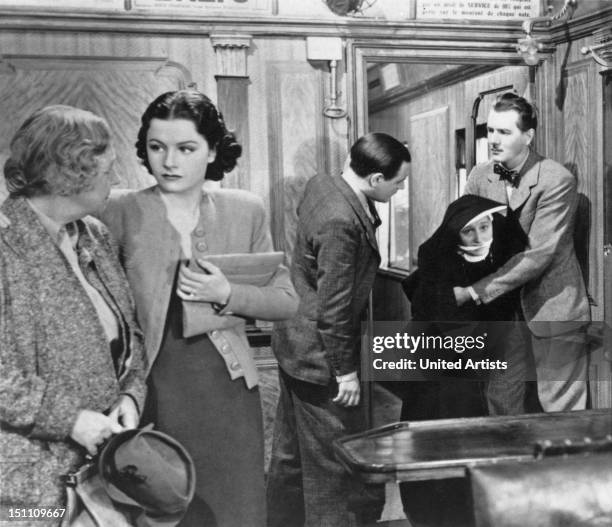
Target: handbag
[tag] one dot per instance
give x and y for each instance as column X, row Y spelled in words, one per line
column 87, row 502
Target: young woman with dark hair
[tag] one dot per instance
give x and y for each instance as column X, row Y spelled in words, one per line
column 202, row 383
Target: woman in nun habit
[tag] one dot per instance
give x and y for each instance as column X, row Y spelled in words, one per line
column 473, row 241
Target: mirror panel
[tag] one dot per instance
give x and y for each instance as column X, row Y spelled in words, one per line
column 439, row 110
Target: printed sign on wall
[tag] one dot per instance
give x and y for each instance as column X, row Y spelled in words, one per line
column 61, row 4
column 478, row 9
column 221, row 6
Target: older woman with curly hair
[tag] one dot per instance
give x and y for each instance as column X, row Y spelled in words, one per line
column 71, row 352
column 203, row 382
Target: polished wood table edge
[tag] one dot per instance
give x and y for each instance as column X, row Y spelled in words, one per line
column 442, row 469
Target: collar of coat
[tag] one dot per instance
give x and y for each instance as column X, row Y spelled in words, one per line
column 349, row 194
column 28, row 237
column 529, row 174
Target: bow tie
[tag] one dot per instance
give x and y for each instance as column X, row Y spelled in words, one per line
column 512, row 176
column 376, row 218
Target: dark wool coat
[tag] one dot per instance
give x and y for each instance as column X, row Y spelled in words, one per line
column 55, row 356
column 440, row 269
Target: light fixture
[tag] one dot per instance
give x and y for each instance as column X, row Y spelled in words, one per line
column 529, row 47
column 349, row 7
column 328, row 49
column 601, row 50
column 332, row 110
column 344, row 7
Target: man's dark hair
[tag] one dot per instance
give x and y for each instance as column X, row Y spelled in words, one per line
column 528, row 115
column 378, row 152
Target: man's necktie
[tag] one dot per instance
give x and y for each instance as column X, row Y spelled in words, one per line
column 376, row 221
column 512, row 176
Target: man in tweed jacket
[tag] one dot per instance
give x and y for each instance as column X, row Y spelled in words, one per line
column 541, row 196
column 334, row 264
column 72, row 359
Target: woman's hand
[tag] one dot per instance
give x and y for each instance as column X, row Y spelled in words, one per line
column 91, row 429
column 211, row 286
column 125, row 412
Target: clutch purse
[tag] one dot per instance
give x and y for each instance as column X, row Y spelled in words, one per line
column 244, row 268
column 256, row 269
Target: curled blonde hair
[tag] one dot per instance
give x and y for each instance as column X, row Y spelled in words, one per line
column 54, row 152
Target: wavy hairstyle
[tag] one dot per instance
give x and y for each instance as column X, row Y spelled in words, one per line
column 527, row 112
column 199, row 109
column 55, row 152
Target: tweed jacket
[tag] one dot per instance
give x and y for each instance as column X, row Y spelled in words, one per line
column 231, row 221
column 55, row 355
column 333, row 269
column 545, row 203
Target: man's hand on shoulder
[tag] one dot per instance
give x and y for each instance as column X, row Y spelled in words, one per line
column 348, row 390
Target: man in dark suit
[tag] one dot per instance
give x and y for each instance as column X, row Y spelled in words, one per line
column 334, row 264
column 542, row 199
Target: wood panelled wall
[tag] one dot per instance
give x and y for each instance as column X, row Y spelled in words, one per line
column 432, row 172
column 571, row 97
column 572, row 133
column 117, row 75
column 292, row 95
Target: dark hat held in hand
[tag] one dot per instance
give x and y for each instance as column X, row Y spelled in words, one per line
column 149, row 470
